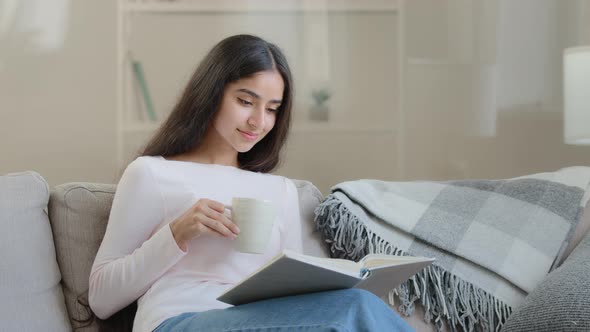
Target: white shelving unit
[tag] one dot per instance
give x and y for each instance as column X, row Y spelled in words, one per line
column 228, row 6
column 129, row 8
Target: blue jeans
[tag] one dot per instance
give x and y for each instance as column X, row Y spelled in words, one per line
column 341, row 310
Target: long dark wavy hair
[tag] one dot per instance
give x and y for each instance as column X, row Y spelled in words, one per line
column 233, row 58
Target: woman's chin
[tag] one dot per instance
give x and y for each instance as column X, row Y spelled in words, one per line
column 245, row 148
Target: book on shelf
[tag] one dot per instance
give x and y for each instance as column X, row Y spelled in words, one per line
column 291, row 273
column 139, row 75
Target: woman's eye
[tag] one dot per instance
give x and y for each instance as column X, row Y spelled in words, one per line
column 272, row 110
column 244, row 102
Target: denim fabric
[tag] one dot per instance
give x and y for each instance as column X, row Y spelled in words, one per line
column 341, row 310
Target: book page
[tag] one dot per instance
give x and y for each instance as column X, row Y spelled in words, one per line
column 344, row 265
column 378, row 260
column 291, row 273
column 381, row 280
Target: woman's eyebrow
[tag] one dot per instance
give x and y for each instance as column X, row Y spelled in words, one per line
column 255, row 95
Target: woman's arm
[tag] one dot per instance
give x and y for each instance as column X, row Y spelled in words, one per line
column 130, row 259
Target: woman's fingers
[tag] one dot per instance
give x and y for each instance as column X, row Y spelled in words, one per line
column 215, row 205
column 217, row 226
column 221, row 217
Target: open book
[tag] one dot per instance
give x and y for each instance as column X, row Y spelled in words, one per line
column 291, row 273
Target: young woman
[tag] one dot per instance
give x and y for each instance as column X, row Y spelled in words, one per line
column 168, row 243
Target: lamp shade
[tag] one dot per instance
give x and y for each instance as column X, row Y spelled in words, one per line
column 576, row 95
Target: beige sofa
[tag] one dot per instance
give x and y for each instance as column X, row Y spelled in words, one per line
column 48, row 242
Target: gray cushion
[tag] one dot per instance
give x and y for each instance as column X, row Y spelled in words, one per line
column 32, row 298
column 79, row 213
column 562, row 301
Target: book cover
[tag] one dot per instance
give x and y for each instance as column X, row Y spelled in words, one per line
column 291, row 273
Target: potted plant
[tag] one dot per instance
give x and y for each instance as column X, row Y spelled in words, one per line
column 320, row 110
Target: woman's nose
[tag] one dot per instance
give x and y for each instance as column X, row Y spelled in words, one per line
column 256, row 119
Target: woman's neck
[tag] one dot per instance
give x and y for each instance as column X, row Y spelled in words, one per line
column 213, row 149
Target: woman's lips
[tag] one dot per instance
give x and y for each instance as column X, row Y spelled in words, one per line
column 249, row 136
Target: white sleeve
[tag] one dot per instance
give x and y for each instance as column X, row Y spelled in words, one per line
column 291, row 221
column 131, row 257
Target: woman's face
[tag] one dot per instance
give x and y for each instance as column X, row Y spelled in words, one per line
column 248, row 110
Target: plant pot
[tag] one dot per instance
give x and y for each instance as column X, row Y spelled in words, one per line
column 319, row 113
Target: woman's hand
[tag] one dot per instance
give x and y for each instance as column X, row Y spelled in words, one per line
column 204, row 217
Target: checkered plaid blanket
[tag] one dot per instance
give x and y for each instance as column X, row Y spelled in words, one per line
column 493, row 240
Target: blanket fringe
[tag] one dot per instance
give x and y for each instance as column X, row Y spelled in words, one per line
column 444, row 296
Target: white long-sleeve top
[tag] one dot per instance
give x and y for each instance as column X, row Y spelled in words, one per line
column 139, row 258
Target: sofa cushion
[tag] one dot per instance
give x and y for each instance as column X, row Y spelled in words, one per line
column 32, row 298
column 309, row 198
column 561, row 302
column 79, row 213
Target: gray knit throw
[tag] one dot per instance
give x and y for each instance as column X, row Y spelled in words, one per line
column 494, row 240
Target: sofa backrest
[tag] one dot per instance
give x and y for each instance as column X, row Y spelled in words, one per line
column 79, row 213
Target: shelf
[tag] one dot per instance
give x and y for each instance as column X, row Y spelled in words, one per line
column 133, row 129
column 303, row 128
column 208, row 6
column 435, row 62
column 323, row 127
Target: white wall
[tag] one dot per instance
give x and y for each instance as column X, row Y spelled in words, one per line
column 483, row 87
column 58, row 86
column 57, row 89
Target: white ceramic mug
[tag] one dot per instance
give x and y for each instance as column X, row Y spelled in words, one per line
column 255, row 218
